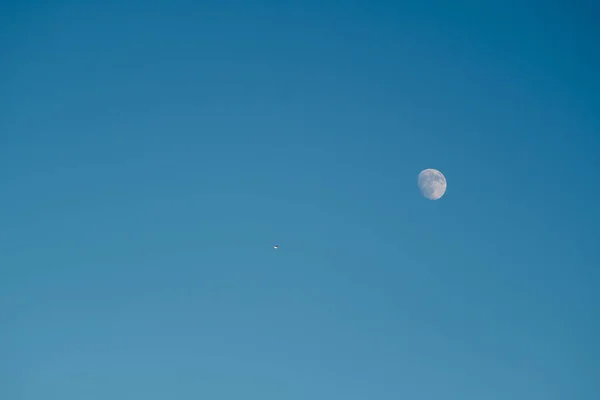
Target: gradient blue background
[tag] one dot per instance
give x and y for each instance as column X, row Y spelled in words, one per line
column 151, row 154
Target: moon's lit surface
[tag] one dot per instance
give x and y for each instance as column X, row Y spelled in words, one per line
column 432, row 183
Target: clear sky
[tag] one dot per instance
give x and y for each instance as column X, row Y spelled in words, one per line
column 152, row 153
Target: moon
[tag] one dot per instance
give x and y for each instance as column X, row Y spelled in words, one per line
column 432, row 183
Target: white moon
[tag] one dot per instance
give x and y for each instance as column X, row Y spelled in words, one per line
column 432, row 183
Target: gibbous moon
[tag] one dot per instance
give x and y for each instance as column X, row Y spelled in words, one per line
column 432, row 183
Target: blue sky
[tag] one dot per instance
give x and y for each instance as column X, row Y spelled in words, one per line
column 151, row 154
